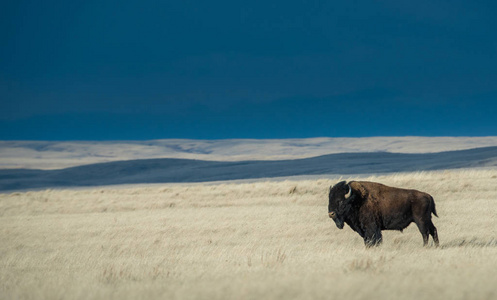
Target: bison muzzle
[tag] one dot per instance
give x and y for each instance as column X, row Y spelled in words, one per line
column 369, row 207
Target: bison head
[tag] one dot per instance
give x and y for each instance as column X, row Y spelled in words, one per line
column 340, row 197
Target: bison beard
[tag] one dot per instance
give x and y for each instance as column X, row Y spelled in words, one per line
column 369, row 207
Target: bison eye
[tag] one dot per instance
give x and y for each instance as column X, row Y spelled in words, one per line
column 332, row 214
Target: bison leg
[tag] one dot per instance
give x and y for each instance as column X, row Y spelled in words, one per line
column 373, row 238
column 425, row 231
column 433, row 232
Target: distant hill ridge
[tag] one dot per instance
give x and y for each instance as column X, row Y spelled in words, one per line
column 170, row 170
column 51, row 155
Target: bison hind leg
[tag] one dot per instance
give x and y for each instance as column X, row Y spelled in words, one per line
column 433, row 233
column 427, row 229
column 423, row 228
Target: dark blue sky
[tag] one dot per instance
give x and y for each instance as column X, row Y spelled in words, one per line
column 147, row 69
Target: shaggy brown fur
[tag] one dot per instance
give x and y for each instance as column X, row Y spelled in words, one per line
column 369, row 207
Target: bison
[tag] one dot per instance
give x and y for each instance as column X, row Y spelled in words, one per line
column 369, row 207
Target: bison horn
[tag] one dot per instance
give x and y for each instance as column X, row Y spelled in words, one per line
column 349, row 193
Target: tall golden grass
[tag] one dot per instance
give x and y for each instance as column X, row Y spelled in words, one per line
column 263, row 240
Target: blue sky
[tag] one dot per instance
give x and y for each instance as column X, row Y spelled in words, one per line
column 110, row 70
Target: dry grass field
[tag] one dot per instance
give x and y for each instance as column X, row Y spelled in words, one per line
column 264, row 240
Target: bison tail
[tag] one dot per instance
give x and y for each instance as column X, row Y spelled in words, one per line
column 433, row 209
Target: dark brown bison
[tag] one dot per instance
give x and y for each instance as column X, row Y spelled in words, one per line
column 369, row 207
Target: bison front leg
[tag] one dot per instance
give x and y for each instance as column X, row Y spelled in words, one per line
column 372, row 237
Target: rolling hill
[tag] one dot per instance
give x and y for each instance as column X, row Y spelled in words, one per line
column 171, row 170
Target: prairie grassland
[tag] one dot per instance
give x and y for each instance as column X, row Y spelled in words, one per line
column 267, row 240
